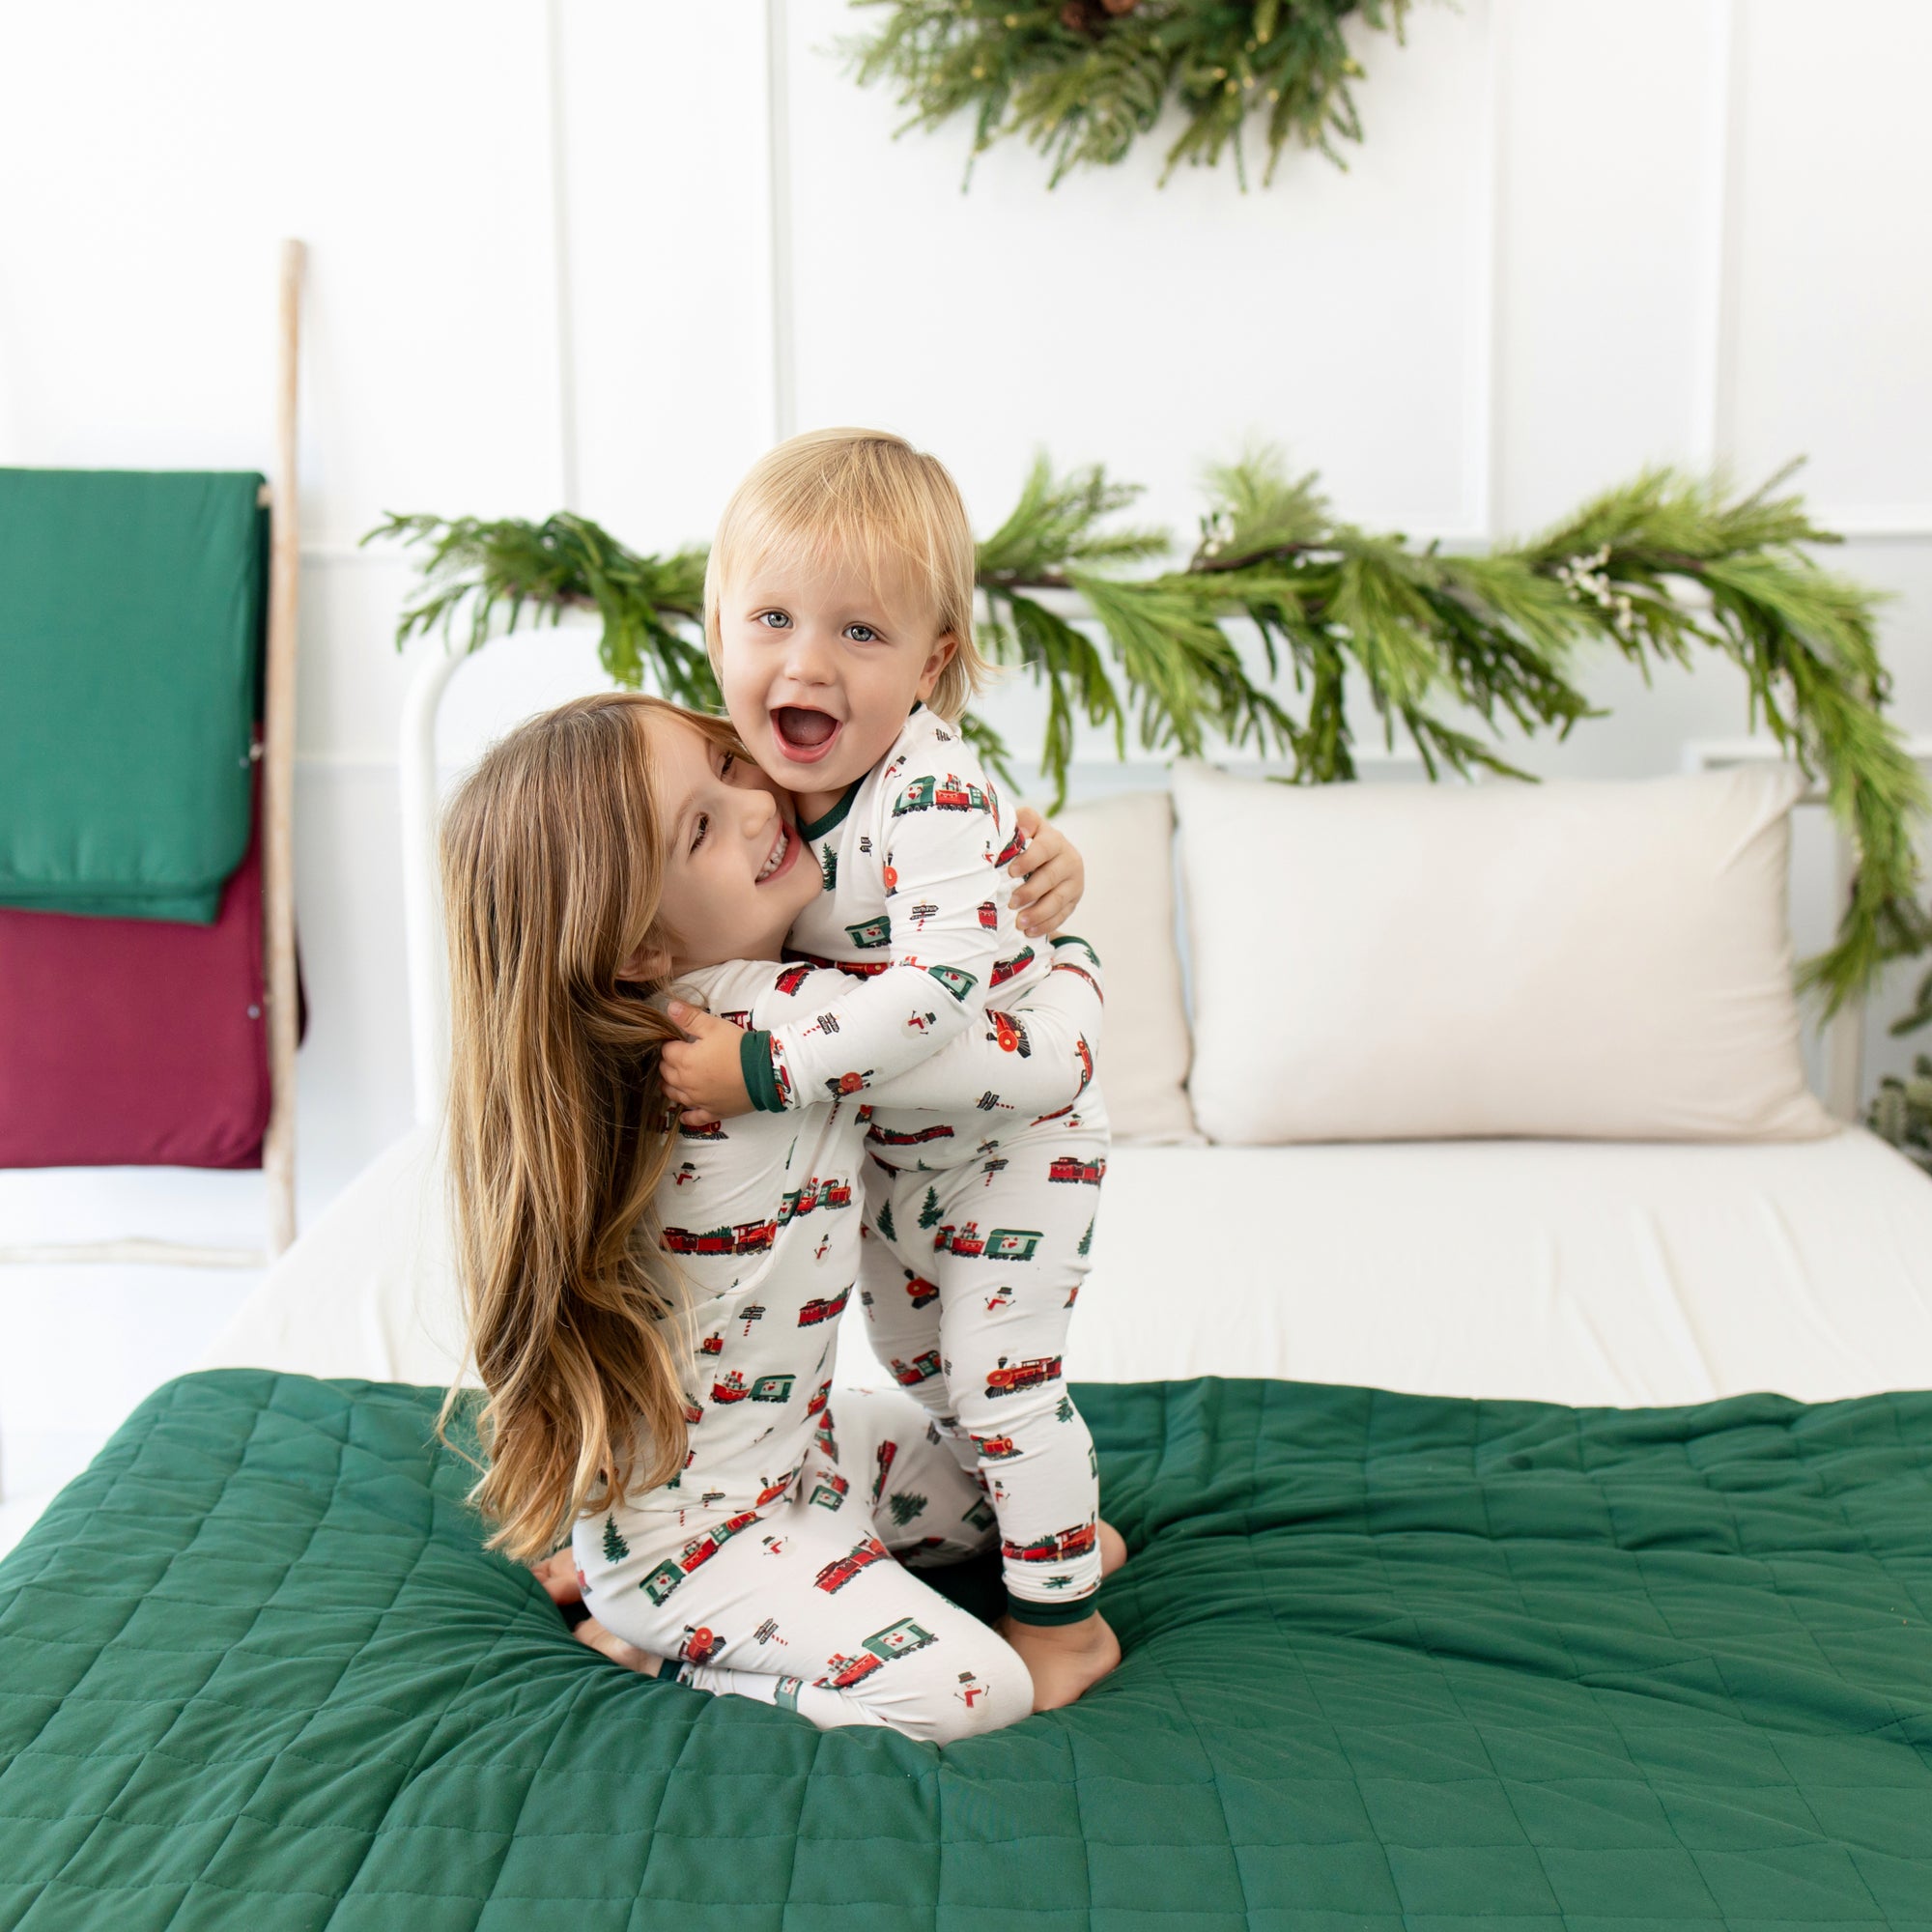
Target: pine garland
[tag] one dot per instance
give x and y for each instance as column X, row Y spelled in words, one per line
column 1901, row 1112
column 1082, row 80
column 1452, row 650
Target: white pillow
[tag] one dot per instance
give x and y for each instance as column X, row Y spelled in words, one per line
column 1587, row 960
column 1128, row 917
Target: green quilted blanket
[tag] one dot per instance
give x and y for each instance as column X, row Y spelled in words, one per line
column 1390, row 1662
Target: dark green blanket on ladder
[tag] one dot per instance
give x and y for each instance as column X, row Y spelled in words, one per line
column 1391, row 1661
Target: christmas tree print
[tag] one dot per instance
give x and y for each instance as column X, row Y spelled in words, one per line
column 905, row 1506
column 1085, row 1240
column 615, row 1549
column 1063, row 1408
column 885, row 1226
column 929, row 1214
column 829, row 863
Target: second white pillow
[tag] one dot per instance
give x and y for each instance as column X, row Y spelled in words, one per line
column 1602, row 961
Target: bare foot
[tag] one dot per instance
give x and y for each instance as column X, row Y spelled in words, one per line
column 1113, row 1548
column 1064, row 1661
column 590, row 1632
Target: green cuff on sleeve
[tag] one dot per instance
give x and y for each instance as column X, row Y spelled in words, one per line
column 754, row 1061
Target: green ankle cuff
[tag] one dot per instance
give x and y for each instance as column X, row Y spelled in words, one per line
column 1060, row 1611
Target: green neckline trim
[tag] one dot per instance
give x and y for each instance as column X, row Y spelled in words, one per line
column 836, row 817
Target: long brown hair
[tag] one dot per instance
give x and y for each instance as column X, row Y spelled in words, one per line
column 552, row 853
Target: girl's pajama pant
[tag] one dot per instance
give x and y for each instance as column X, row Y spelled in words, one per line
column 801, row 1604
column 969, row 1277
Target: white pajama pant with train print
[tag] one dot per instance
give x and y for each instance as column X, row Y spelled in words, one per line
column 968, row 1279
column 804, row 1603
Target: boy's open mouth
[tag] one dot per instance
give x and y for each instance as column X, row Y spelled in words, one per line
column 804, row 735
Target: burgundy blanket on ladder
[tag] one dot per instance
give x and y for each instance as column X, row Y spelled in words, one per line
column 135, row 1042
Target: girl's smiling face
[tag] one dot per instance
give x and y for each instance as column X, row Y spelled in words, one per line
column 735, row 871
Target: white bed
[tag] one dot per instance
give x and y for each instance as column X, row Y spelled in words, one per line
column 1581, row 1271
column 1572, row 1272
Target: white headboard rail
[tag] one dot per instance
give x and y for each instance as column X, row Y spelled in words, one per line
column 421, row 799
column 1844, row 1035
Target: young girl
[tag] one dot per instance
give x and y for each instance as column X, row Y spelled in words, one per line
column 838, row 606
column 652, row 1313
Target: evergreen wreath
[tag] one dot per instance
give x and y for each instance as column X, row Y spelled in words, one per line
column 1446, row 645
column 1082, row 80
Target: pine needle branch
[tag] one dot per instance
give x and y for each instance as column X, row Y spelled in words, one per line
column 1452, row 652
column 1081, row 82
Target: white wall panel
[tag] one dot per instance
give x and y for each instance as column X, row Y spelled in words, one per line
column 350, row 675
column 1607, row 244
column 356, row 1094
column 1834, row 296
column 155, row 155
column 1340, row 315
column 670, row 301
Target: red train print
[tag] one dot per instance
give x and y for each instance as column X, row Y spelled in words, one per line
column 1033, row 1373
column 1066, row 1168
column 746, row 1237
column 1055, row 1549
column 921, row 1369
column 899, row 1639
column 1010, row 1034
column 701, row 1646
column 1010, row 969
column 766, row 1388
column 700, row 1549
column 819, row 1310
column 1002, row 1244
column 842, row 1569
column 917, row 1137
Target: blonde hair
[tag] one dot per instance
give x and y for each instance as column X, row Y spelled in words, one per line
column 552, row 857
column 867, row 493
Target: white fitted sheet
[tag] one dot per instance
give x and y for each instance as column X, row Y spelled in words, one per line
column 1575, row 1272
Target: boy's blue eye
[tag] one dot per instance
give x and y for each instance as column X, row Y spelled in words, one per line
column 861, row 633
column 775, row 620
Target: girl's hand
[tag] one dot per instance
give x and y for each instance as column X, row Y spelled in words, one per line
column 1053, row 872
column 702, row 1073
